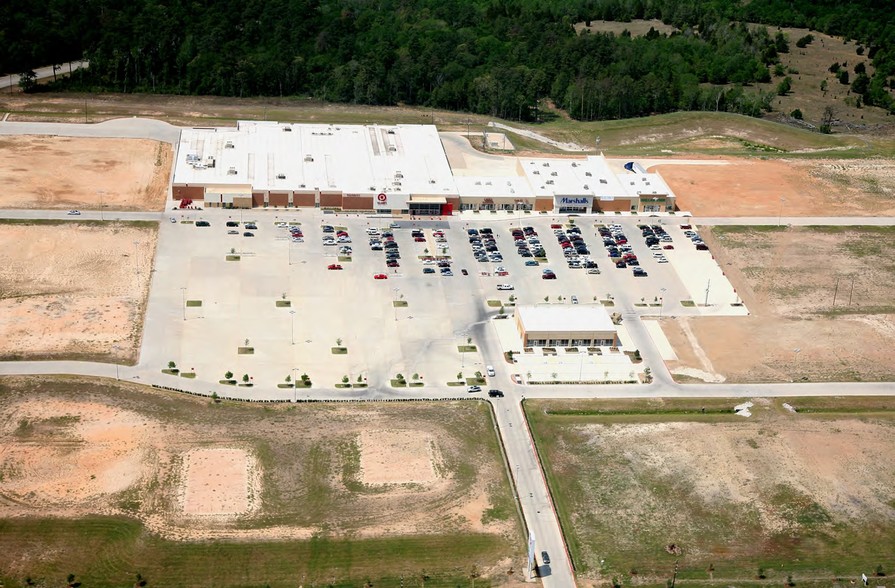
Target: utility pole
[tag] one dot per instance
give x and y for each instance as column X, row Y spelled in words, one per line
column 835, row 291
column 852, row 291
column 707, row 288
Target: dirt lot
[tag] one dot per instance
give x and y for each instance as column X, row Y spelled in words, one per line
column 789, row 279
column 67, row 172
column 809, row 187
column 719, row 494
column 74, row 290
column 76, row 448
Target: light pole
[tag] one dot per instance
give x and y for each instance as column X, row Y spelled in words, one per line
column 661, row 301
column 136, row 258
column 292, row 314
column 101, row 193
column 780, row 213
column 581, row 355
column 183, row 301
column 395, row 303
column 294, row 387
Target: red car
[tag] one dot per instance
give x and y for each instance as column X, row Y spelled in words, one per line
column 438, row 234
column 334, row 266
column 555, row 226
column 380, row 277
column 419, row 239
column 667, row 246
column 550, row 276
column 392, row 263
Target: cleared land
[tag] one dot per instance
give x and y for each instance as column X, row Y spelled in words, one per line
column 822, row 309
column 637, row 27
column 65, row 172
column 74, row 290
column 641, row 485
column 809, row 187
column 285, row 495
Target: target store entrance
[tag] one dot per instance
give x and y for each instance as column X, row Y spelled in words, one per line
column 428, row 206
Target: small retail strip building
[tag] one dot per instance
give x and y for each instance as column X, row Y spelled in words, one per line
column 394, row 170
column 561, row 325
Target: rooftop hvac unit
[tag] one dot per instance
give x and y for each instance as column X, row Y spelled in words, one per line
column 281, row 176
column 396, row 184
column 309, row 158
column 487, row 183
column 554, row 173
column 586, row 187
column 549, row 181
column 372, row 188
column 192, row 156
column 392, row 148
column 287, row 129
column 537, row 172
column 545, row 164
column 603, row 181
column 588, row 174
column 228, row 145
column 632, row 183
column 231, row 171
column 391, row 132
column 478, row 183
column 512, row 190
column 301, row 185
column 574, row 164
column 399, row 175
column 431, row 181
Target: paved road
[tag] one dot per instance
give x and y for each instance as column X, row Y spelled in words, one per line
column 526, row 470
column 44, row 72
column 125, row 128
column 539, row 137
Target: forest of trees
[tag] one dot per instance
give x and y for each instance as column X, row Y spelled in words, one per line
column 495, row 57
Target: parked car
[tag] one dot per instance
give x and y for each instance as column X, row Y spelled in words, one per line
column 334, row 266
column 380, row 277
column 202, row 223
column 232, row 223
column 328, row 229
column 495, row 393
column 548, row 276
column 532, row 262
column 428, row 270
column 252, row 226
column 248, row 234
column 232, row 232
column 74, row 212
column 504, row 286
column 173, row 220
column 490, row 371
column 472, row 389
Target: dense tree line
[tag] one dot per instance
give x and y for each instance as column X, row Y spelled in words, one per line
column 496, row 57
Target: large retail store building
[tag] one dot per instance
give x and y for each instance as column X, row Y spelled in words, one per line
column 396, row 170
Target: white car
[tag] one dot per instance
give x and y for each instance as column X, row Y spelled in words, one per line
column 504, row 286
column 173, row 220
column 471, row 389
column 280, row 225
column 74, row 212
column 490, row 371
column 371, row 231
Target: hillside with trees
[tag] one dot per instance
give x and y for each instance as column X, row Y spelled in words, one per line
column 496, row 57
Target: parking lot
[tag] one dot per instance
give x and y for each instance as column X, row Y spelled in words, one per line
column 270, row 307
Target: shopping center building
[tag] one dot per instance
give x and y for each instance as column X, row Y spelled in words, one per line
column 389, row 169
column 560, row 325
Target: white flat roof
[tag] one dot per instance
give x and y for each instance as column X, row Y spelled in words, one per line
column 565, row 318
column 590, row 176
column 354, row 159
column 493, row 186
column 644, row 184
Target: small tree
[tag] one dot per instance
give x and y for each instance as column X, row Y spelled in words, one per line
column 214, row 397
column 468, row 340
column 512, row 298
column 399, row 377
column 339, row 342
column 228, row 376
column 288, row 378
column 360, row 379
column 459, row 375
column 796, row 114
column 171, row 365
column 247, row 342
column 27, row 81
column 761, row 575
column 232, row 250
column 415, row 377
column 245, row 378
column 70, row 579
column 553, row 375
column 345, row 379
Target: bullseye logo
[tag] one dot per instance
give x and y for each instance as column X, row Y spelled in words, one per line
column 382, row 198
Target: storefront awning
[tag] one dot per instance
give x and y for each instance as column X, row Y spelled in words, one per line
column 427, row 200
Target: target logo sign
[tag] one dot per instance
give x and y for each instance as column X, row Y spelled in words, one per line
column 382, row 198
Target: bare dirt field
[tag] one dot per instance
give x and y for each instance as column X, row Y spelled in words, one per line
column 719, row 494
column 74, row 290
column 190, row 469
column 68, row 172
column 821, row 307
column 808, row 187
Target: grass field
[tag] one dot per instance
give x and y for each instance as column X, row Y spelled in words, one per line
column 323, row 507
column 643, row 486
column 682, row 132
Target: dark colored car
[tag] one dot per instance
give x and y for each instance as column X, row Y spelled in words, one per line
column 495, row 393
column 203, row 224
column 545, row 558
column 232, row 223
